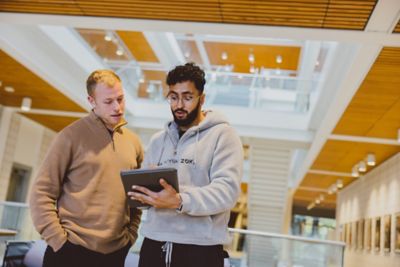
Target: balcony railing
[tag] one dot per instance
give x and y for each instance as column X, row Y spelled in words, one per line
column 247, row 248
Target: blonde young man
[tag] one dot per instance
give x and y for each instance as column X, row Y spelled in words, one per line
column 78, row 203
column 188, row 228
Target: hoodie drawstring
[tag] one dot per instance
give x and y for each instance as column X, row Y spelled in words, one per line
column 167, row 248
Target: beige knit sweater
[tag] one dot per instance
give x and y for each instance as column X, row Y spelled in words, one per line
column 78, row 194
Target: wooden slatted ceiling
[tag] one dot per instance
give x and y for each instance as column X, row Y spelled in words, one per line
column 138, row 45
column 305, row 197
column 375, row 109
column 324, row 181
column 134, row 41
column 56, row 123
column 373, row 112
column 397, row 29
column 332, row 14
column 26, row 83
column 152, row 76
column 44, row 96
column 265, row 56
column 341, row 156
column 190, row 51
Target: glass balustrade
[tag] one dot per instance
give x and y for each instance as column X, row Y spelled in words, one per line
column 246, row 249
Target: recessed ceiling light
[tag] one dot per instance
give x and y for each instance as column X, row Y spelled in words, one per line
column 108, row 37
column 26, row 104
column 371, row 160
column 279, row 59
column 9, row 89
column 252, row 57
column 186, row 54
column 252, row 69
column 224, row 56
column 119, row 51
column 362, row 167
column 398, row 135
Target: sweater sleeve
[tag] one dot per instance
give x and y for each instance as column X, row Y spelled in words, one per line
column 134, row 213
column 135, row 216
column 47, row 189
column 225, row 173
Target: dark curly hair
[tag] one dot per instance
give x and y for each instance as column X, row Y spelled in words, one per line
column 187, row 72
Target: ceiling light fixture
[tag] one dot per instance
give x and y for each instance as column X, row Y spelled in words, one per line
column 317, row 63
column 279, row 59
column 317, row 201
column 354, row 171
column 251, row 57
column 371, row 159
column 187, row 54
column 252, row 69
column 26, row 104
column 108, row 37
column 310, row 206
column 224, row 56
column 119, row 51
column 362, row 167
column 9, row 89
column 339, row 183
column 398, row 135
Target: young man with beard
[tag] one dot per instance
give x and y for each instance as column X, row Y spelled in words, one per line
column 188, row 228
column 78, row 204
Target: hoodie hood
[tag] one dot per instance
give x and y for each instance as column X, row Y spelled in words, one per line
column 212, row 118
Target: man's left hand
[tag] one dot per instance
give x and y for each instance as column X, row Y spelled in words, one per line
column 167, row 198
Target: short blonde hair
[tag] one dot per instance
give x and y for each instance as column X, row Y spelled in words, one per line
column 107, row 77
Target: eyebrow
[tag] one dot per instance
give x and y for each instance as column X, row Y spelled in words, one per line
column 184, row 93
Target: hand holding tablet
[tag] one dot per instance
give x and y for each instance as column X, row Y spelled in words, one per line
column 152, row 187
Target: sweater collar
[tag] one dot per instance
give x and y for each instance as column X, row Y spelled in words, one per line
column 101, row 123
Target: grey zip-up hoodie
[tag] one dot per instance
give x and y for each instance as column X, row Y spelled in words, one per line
column 209, row 160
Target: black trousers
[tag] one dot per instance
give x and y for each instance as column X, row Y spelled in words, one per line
column 183, row 255
column 71, row 255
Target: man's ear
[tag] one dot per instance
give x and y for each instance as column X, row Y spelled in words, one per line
column 202, row 99
column 91, row 101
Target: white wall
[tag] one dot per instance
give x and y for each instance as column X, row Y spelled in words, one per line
column 24, row 142
column 374, row 195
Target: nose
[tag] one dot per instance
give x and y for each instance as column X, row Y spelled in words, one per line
column 117, row 106
column 179, row 104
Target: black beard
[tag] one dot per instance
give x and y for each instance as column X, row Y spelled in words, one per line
column 191, row 116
